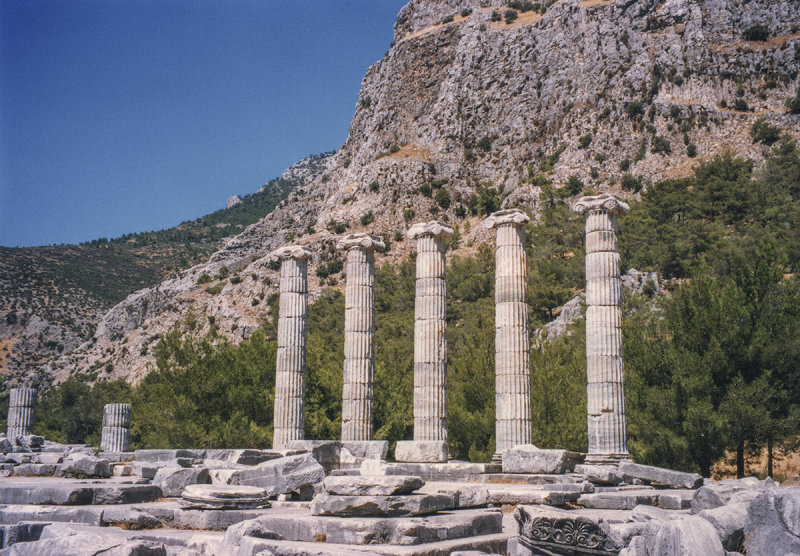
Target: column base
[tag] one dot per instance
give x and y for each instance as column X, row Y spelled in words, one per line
column 607, row 459
column 421, row 451
column 497, row 457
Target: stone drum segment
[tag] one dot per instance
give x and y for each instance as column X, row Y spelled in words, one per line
column 21, row 412
column 290, row 368
column 359, row 330
column 116, row 428
column 607, row 426
column 512, row 344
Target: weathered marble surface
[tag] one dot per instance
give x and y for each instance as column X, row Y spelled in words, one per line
column 374, row 485
column 430, row 341
column 607, row 426
column 512, row 349
column 290, row 369
column 359, row 331
column 380, row 506
column 21, row 412
column 116, row 428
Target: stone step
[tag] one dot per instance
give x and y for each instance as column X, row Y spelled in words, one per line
column 71, row 492
column 152, row 515
column 490, row 544
column 299, row 525
column 627, row 499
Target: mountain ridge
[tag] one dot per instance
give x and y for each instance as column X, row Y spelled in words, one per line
column 463, row 117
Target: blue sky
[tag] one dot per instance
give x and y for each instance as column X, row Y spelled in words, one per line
column 133, row 115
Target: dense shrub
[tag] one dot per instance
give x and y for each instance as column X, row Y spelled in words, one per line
column 585, row 140
column 631, row 183
column 756, row 32
column 367, row 219
column 573, row 186
column 762, row 132
column 740, row 105
column 443, row 198
column 661, row 145
column 511, row 16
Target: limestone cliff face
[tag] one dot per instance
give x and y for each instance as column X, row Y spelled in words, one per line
column 590, row 88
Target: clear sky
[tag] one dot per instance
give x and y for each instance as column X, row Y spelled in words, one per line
column 134, row 115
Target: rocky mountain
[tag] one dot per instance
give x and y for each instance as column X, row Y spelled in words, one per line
column 479, row 105
column 52, row 297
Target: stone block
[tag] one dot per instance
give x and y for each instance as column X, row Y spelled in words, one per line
column 28, row 443
column 659, row 476
column 121, row 470
column 168, row 455
column 364, row 449
column 172, row 480
column 242, row 457
column 729, row 522
column 675, row 500
column 773, row 523
column 466, row 495
column 60, row 539
column 368, row 535
column 553, row 531
column 143, row 469
column 421, row 451
column 20, row 532
column 381, row 506
column 85, row 465
column 283, row 475
column 686, row 536
column 544, row 495
column 527, row 458
column 375, row 485
column 600, row 474
column 624, row 500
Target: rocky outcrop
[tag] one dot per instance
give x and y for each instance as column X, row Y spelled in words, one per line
column 595, row 89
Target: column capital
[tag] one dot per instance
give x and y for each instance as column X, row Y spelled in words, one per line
column 290, row 252
column 609, row 203
column 361, row 241
column 510, row 216
column 434, row 228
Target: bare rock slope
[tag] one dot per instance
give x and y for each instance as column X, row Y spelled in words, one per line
column 462, row 103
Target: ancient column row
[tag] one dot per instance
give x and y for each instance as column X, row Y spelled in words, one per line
column 607, row 426
column 359, row 330
column 21, row 412
column 116, row 433
column 605, row 375
column 290, row 367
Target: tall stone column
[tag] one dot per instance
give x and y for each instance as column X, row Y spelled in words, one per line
column 511, row 343
column 604, row 369
column 290, row 368
column 430, row 347
column 21, row 412
column 359, row 330
column 116, row 432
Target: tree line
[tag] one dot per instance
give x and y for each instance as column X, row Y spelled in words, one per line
column 711, row 367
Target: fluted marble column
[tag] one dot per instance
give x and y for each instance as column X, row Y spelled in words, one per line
column 604, row 369
column 21, row 412
column 430, row 341
column 116, row 432
column 359, row 329
column 511, row 343
column 290, row 368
